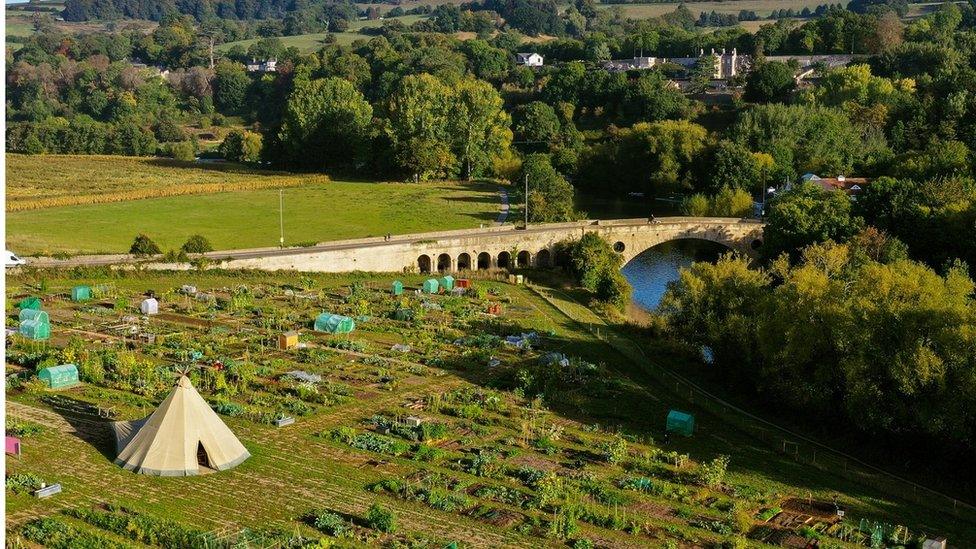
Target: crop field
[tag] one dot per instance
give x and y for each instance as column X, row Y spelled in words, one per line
column 518, row 428
column 111, row 199
column 314, row 41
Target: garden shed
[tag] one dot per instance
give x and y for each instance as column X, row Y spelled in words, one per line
column 81, row 293
column 59, row 377
column 34, row 314
column 447, row 283
column 431, row 285
column 680, row 422
column 334, row 324
column 288, row 340
column 35, row 330
column 149, row 306
column 397, row 288
column 30, row 303
column 463, row 283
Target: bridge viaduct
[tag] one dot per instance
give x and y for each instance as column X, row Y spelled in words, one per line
column 466, row 249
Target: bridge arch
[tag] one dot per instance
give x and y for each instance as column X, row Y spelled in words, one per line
column 523, row 259
column 464, row 261
column 504, row 260
column 444, row 263
column 543, row 259
column 423, row 263
column 484, row 261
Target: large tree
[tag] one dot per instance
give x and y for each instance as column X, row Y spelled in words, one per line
column 419, row 126
column 807, row 214
column 479, row 126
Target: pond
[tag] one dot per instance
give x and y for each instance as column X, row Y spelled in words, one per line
column 650, row 272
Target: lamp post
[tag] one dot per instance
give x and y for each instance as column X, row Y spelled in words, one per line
column 281, row 218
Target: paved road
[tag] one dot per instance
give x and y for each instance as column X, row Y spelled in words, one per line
column 374, row 242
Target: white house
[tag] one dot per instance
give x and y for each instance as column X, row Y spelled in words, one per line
column 529, row 59
column 269, row 65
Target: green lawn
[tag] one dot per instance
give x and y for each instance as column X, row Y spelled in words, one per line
column 247, row 219
column 314, row 41
column 761, row 7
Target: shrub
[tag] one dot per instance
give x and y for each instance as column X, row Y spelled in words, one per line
column 23, row 429
column 713, row 472
column 332, row 524
column 427, row 453
column 143, row 246
column 380, row 518
column 183, row 150
column 196, row 244
column 22, row 483
column 614, row 450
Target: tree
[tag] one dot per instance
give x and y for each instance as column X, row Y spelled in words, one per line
column 550, row 195
column 702, row 73
column 479, row 126
column 327, row 124
column 535, row 123
column 196, row 244
column 230, row 87
column 418, row 126
column 807, row 214
column 596, row 268
column 144, row 246
column 769, row 81
column 242, row 146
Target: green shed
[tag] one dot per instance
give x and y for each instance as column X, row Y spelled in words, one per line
column 30, row 303
column 680, row 422
column 397, row 287
column 334, row 324
column 81, row 293
column 34, row 314
column 431, row 285
column 35, row 329
column 59, row 377
column 447, row 283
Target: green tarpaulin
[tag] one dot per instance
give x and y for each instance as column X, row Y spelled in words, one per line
column 397, row 288
column 431, row 285
column 80, row 293
column 680, row 422
column 35, row 329
column 34, row 314
column 57, row 377
column 30, row 303
column 447, row 283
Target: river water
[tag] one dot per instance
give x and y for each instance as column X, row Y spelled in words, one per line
column 650, row 272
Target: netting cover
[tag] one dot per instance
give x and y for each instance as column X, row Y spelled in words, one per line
column 334, row 324
column 80, row 293
column 431, row 285
column 30, row 303
column 149, row 306
column 35, row 329
column 57, row 377
column 681, row 422
column 397, row 287
column 447, row 283
column 34, row 314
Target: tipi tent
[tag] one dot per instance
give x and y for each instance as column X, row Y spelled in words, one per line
column 178, row 437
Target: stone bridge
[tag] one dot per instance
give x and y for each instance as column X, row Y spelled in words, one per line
column 495, row 247
column 467, row 249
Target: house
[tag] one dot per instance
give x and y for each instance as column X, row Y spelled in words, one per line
column 268, row 65
column 529, row 59
column 852, row 186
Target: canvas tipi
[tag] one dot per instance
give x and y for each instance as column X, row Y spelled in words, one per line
column 180, row 436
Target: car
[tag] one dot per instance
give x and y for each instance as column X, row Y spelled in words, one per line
column 11, row 260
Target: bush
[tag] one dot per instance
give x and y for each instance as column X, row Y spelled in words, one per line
column 380, row 518
column 22, row 483
column 196, row 244
column 614, row 450
column 143, row 246
column 242, row 146
column 183, row 150
column 713, row 472
column 23, row 429
column 332, row 524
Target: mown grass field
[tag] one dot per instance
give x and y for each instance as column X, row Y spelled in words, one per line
column 314, row 41
column 761, row 7
column 300, row 468
column 113, row 209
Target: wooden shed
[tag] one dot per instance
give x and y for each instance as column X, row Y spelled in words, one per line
column 288, row 340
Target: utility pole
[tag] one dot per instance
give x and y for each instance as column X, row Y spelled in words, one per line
column 281, row 217
column 526, row 201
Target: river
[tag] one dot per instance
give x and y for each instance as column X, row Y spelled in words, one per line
column 650, row 272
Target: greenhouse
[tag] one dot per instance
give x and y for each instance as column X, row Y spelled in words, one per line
column 447, row 283
column 149, row 306
column 334, row 324
column 80, row 293
column 682, row 423
column 34, row 329
column 30, row 303
column 59, row 377
column 431, row 285
column 34, row 314
column 397, row 288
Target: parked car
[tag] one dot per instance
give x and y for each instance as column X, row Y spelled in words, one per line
column 11, row 260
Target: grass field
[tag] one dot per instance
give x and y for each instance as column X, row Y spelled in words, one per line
column 761, row 7
column 315, row 208
column 312, row 42
column 505, row 470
